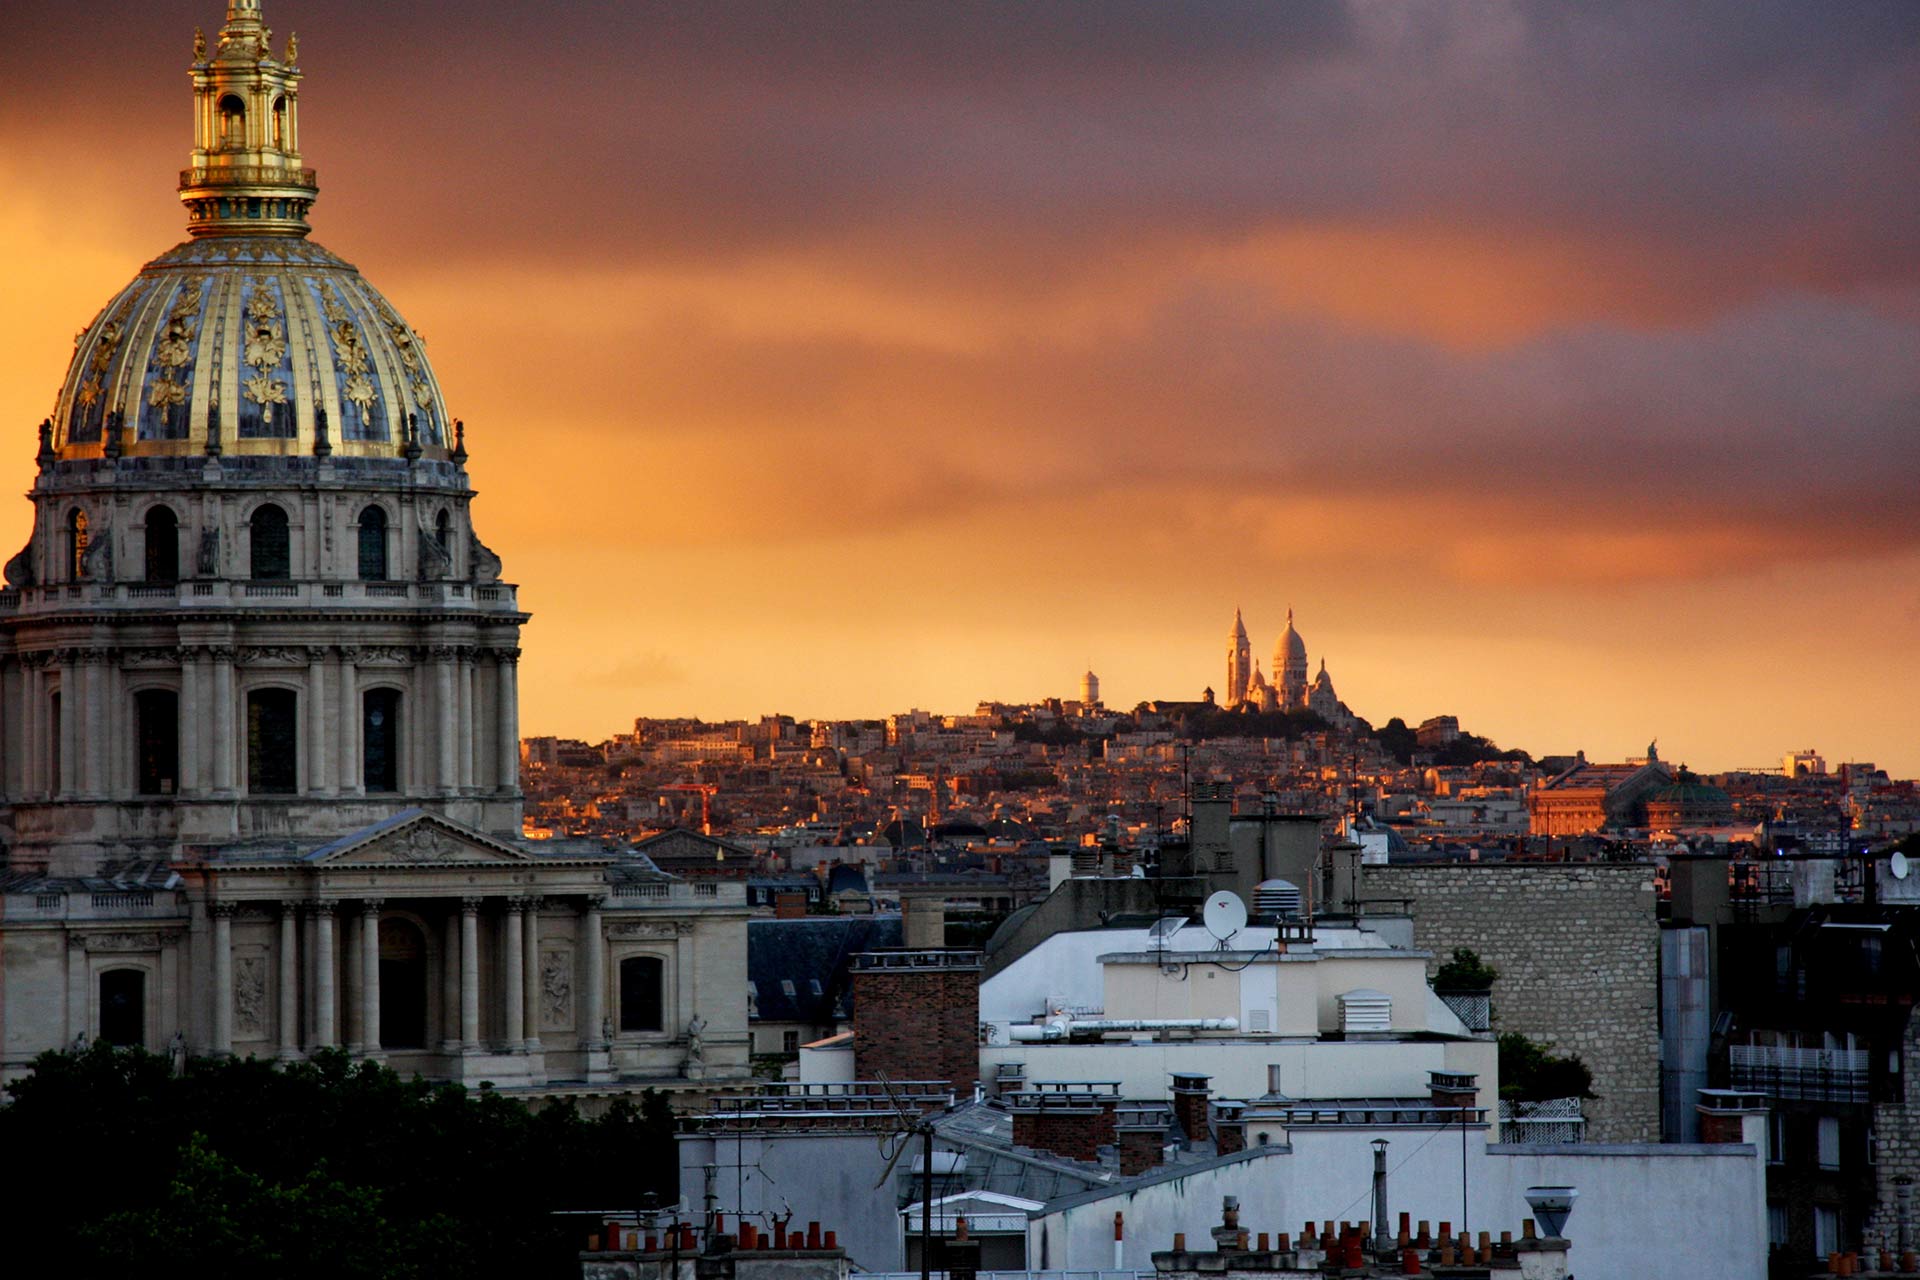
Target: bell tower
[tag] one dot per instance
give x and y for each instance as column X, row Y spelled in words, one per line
column 244, row 176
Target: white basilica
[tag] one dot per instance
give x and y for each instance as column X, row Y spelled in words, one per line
column 259, row 759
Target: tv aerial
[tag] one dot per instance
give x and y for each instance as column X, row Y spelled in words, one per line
column 1224, row 915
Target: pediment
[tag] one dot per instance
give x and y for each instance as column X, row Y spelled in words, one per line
column 419, row 839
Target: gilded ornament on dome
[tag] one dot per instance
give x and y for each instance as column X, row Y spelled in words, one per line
column 359, row 390
column 103, row 349
column 265, row 344
column 422, row 394
column 199, row 45
column 260, row 306
column 263, row 390
column 166, row 393
column 90, row 390
column 175, row 347
column 293, row 47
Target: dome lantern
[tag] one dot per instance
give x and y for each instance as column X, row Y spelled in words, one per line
column 244, row 176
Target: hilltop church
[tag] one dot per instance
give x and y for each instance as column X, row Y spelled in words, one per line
column 259, row 759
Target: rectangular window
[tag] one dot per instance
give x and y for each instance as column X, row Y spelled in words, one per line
column 790, row 1042
column 380, row 740
column 272, row 742
column 1776, row 1223
column 1828, row 1142
column 157, row 740
column 1826, row 1230
column 1776, row 1137
column 640, row 993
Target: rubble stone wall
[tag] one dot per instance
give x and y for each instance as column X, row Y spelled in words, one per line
column 1577, row 947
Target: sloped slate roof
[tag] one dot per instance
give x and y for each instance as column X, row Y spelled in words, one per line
column 803, row 953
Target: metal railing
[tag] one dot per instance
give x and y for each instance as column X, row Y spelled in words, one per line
column 256, row 175
column 1815, row 1075
column 1548, row 1121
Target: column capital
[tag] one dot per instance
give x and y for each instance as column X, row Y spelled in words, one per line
column 594, row 902
column 524, row 905
column 371, row 906
column 321, row 907
column 291, row 906
column 470, row 904
column 223, row 910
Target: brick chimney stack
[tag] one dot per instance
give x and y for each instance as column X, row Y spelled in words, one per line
column 1190, row 1105
column 1064, row 1124
column 917, row 1016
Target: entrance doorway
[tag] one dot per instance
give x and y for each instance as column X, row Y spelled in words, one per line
column 403, row 985
column 123, row 1007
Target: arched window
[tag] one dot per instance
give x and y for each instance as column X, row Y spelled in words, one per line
column 268, row 544
column 373, row 544
column 233, row 123
column 380, row 739
column 640, row 1003
column 280, row 124
column 157, row 739
column 54, row 783
column 163, row 545
column 76, row 545
column 123, row 1007
column 273, row 757
column 443, row 531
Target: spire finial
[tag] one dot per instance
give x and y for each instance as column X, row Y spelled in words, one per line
column 459, row 454
column 244, row 175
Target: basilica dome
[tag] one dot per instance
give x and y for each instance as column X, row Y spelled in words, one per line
column 248, row 338
column 251, row 343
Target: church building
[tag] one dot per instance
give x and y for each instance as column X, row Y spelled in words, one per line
column 259, row 745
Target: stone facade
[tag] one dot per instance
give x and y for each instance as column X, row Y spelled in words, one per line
column 1577, row 948
column 917, row 1017
column 1896, row 1136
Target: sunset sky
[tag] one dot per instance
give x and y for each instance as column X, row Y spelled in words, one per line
column 1558, row 364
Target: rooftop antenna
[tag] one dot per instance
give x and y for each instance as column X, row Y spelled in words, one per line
column 908, row 1126
column 1225, row 915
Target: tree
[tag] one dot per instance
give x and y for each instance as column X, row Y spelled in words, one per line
column 1465, row 972
column 1531, row 1072
column 438, row 1180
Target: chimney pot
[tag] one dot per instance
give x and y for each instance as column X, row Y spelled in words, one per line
column 1179, row 1242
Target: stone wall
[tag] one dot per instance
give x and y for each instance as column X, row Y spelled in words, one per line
column 1896, row 1132
column 1578, row 951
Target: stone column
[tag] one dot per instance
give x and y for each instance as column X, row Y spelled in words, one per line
column 370, row 976
column 450, row 986
column 63, row 726
column 324, row 1022
column 319, row 759
column 356, row 985
column 516, row 982
column 222, row 913
column 463, row 697
column 350, row 782
column 593, row 955
column 289, row 960
column 32, row 766
column 221, row 713
column 94, row 730
column 191, row 714
column 79, row 989
column 470, row 975
column 507, row 721
column 447, row 719
column 530, row 975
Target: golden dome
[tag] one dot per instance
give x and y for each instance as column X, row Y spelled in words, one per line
column 240, row 344
column 249, row 338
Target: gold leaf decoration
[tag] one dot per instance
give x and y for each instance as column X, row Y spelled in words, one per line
column 359, row 391
column 166, row 393
column 90, row 392
column 422, row 394
column 263, row 390
column 265, row 344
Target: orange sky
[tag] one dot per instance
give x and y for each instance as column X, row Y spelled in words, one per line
column 1561, row 369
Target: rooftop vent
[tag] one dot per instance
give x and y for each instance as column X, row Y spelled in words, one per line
column 1365, row 1009
column 1276, row 898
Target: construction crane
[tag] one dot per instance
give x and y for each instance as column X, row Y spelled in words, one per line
column 707, row 791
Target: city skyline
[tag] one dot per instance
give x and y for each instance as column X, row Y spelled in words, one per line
column 880, row 377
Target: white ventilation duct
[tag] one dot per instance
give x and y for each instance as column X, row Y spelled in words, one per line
column 1060, row 1028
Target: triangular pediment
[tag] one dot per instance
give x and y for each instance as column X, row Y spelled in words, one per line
column 416, row 838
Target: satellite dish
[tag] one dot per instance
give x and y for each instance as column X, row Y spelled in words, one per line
column 1899, row 864
column 1225, row 914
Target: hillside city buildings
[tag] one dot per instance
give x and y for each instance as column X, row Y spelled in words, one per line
column 1044, row 987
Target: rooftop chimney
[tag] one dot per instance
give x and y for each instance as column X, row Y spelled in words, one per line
column 1190, row 1106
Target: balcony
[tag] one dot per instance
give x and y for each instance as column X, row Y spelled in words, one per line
column 92, row 597
column 249, row 175
column 1814, row 1075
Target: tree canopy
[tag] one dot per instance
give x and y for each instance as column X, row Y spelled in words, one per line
column 327, row 1167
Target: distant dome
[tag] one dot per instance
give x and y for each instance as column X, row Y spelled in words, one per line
column 262, row 332
column 1291, row 649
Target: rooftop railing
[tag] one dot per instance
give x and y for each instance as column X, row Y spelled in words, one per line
column 225, row 593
